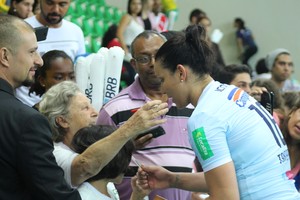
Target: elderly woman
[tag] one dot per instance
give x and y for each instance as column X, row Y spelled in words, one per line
column 69, row 110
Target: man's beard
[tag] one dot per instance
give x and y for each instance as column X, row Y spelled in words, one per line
column 27, row 82
column 53, row 21
column 49, row 20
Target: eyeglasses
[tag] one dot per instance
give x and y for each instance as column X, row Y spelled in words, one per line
column 144, row 59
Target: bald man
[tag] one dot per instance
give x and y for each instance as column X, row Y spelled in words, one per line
column 28, row 167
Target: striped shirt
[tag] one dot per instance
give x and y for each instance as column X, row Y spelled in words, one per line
column 171, row 150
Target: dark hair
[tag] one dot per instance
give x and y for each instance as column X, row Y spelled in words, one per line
column 240, row 23
column 293, row 147
column 285, row 130
column 197, row 13
column 11, row 8
column 261, row 66
column 128, row 8
column 290, row 98
column 35, row 6
column 271, row 87
column 91, row 134
column 41, row 71
column 110, row 34
column 228, row 73
column 189, row 48
column 145, row 34
column 169, row 34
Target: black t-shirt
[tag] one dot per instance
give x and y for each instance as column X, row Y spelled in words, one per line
column 147, row 24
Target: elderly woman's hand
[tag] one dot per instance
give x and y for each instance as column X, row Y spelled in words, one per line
column 149, row 115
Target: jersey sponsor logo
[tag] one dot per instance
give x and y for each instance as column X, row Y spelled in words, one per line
column 283, row 156
column 239, row 96
column 202, row 144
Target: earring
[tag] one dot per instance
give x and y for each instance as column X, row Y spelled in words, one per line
column 15, row 10
column 181, row 80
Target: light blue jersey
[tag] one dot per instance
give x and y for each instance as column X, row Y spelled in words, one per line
column 229, row 125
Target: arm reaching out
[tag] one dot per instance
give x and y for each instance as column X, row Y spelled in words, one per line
column 95, row 157
column 156, row 177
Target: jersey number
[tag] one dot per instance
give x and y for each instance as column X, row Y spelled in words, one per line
column 270, row 122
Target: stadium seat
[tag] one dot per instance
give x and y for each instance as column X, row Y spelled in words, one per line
column 98, row 28
column 94, row 17
column 87, row 26
column 98, row 2
column 80, row 8
column 99, row 12
column 108, row 13
column 117, row 15
column 71, row 10
column 88, row 43
column 78, row 20
column 96, row 44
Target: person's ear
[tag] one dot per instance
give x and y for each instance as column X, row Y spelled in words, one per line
column 133, row 64
column 4, row 56
column 41, row 80
column 181, row 70
column 62, row 122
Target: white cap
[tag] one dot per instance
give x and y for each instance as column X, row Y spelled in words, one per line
column 271, row 57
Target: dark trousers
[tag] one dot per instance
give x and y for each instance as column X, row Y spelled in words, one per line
column 248, row 53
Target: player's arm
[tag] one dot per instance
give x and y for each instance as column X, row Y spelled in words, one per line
column 222, row 183
column 96, row 156
column 157, row 177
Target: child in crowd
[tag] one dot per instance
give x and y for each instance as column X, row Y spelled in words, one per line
column 58, row 67
column 290, row 98
column 100, row 186
column 291, row 132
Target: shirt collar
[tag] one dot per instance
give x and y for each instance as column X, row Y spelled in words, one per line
column 6, row 87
